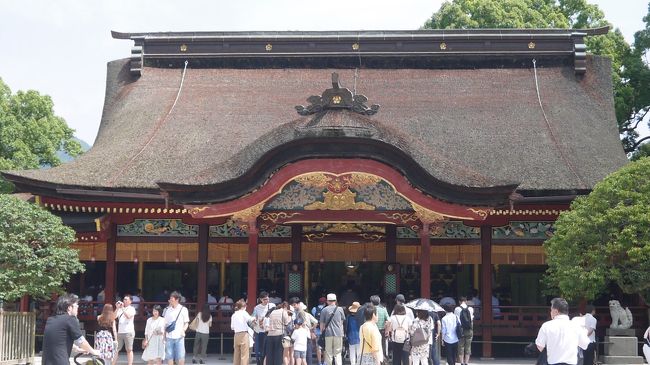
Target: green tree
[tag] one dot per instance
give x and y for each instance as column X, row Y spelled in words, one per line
column 605, row 238
column 30, row 133
column 631, row 75
column 35, row 255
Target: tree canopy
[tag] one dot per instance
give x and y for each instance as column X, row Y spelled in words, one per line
column 30, row 133
column 36, row 258
column 631, row 75
column 605, row 238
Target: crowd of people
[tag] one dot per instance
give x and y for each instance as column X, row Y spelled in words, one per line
column 291, row 334
column 288, row 333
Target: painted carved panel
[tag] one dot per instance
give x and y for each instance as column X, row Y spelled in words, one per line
column 446, row 230
column 158, row 227
column 524, row 230
column 324, row 191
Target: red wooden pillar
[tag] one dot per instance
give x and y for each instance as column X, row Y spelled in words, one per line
column 425, row 262
column 202, row 295
column 111, row 253
column 252, row 265
column 486, row 289
column 24, row 303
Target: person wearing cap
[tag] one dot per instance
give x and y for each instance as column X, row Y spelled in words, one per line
column 399, row 299
column 300, row 337
column 352, row 330
column 331, row 324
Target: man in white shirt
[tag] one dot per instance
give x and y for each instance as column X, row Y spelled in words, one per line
column 588, row 322
column 259, row 313
column 560, row 336
column 465, row 342
column 175, row 340
column 125, row 329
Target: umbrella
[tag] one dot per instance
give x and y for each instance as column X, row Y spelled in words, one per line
column 425, row 305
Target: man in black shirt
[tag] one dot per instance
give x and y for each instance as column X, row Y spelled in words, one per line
column 61, row 331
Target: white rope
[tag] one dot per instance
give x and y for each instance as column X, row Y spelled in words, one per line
column 155, row 129
column 554, row 139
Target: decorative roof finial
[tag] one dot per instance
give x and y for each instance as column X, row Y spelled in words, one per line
column 337, row 98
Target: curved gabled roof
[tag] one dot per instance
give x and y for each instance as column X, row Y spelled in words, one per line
column 471, row 128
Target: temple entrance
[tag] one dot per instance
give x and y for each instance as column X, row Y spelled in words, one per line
column 351, row 281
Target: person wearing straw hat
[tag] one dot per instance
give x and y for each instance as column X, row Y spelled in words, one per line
column 331, row 324
column 352, row 330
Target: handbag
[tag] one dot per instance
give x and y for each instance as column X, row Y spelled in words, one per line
column 407, row 346
column 286, row 341
column 172, row 326
column 321, row 339
column 195, row 324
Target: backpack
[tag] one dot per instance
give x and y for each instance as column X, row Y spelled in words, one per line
column 465, row 318
column 319, row 309
column 399, row 334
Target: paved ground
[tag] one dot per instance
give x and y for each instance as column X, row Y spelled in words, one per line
column 214, row 359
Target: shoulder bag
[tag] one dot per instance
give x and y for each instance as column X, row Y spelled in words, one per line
column 459, row 328
column 321, row 339
column 172, row 326
column 195, row 324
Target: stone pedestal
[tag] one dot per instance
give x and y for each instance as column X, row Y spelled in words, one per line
column 621, row 347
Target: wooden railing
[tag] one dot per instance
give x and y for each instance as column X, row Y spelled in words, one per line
column 17, row 337
column 88, row 312
column 525, row 320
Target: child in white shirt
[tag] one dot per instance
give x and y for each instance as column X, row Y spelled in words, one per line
column 300, row 336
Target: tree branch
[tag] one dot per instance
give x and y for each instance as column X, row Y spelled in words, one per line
column 636, row 144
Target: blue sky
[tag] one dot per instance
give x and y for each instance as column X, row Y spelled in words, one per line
column 60, row 48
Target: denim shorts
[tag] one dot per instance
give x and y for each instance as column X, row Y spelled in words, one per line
column 175, row 349
column 299, row 354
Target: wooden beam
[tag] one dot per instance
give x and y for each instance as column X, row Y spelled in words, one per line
column 486, row 289
column 202, row 285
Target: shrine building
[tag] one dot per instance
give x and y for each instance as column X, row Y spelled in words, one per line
column 428, row 162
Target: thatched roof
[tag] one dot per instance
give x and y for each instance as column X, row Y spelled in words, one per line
column 475, row 128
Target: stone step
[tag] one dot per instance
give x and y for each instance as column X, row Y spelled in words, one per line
column 621, row 359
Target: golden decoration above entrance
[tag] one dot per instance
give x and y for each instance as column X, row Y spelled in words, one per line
column 339, row 201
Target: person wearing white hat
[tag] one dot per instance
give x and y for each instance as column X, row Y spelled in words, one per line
column 331, row 324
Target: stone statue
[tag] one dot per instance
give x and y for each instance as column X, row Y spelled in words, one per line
column 621, row 318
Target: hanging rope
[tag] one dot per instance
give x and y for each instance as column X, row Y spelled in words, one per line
column 554, row 139
column 153, row 132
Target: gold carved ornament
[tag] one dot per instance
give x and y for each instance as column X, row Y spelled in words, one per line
column 249, row 214
column 274, row 217
column 426, row 215
column 313, row 237
column 339, row 201
column 344, row 228
column 481, row 212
